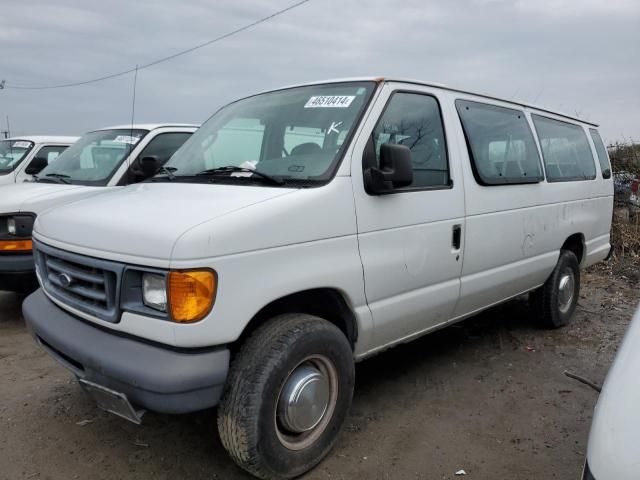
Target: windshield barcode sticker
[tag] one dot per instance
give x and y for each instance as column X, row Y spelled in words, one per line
column 126, row 139
column 330, row 101
column 21, row 144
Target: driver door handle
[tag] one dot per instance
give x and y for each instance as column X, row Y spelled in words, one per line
column 456, row 237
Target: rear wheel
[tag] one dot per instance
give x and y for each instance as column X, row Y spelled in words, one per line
column 288, row 393
column 556, row 300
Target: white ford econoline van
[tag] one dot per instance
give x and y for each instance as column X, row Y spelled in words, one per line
column 22, row 157
column 109, row 157
column 306, row 228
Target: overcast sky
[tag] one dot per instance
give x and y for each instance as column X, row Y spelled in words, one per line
column 577, row 56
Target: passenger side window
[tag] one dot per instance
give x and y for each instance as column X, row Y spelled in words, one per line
column 565, row 149
column 500, row 143
column 164, row 145
column 50, row 152
column 601, row 151
column 414, row 120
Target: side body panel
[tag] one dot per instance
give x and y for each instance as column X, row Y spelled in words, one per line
column 514, row 232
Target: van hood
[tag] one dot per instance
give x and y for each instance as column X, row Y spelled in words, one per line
column 35, row 197
column 613, row 442
column 144, row 221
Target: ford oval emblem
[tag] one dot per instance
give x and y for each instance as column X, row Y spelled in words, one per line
column 65, row 280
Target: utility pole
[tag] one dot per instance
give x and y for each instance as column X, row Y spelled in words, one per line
column 5, row 132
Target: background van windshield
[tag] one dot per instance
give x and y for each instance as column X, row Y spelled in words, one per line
column 94, row 158
column 293, row 134
column 11, row 154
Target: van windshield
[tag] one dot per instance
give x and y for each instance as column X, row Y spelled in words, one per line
column 11, row 154
column 297, row 135
column 94, row 158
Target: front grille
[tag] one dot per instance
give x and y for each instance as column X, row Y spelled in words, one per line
column 87, row 284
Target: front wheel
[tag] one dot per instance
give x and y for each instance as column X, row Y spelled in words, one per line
column 556, row 300
column 288, row 393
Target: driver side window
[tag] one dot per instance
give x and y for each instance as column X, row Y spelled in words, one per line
column 414, row 120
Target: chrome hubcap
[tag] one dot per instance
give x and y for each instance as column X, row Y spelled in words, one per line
column 307, row 402
column 566, row 290
column 304, row 399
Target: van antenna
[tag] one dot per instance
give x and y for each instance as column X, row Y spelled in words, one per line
column 133, row 116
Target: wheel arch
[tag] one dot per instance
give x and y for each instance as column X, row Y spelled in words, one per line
column 575, row 243
column 328, row 303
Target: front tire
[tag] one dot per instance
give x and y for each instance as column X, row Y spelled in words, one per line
column 556, row 300
column 288, row 393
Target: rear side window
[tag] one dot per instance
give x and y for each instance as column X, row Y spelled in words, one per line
column 414, row 120
column 565, row 149
column 501, row 144
column 601, row 151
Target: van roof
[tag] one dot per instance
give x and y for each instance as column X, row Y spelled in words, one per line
column 452, row 89
column 43, row 139
column 147, row 126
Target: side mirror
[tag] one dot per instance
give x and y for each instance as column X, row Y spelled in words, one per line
column 396, row 170
column 149, row 165
column 606, row 173
column 36, row 166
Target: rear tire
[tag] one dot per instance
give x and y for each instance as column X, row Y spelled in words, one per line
column 287, row 395
column 555, row 302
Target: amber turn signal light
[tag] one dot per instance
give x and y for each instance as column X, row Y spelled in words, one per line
column 16, row 245
column 191, row 294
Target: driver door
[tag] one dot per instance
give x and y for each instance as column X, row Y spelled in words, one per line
column 411, row 239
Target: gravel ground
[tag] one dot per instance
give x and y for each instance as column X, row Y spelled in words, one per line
column 487, row 395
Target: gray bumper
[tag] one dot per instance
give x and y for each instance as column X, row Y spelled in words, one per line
column 17, row 272
column 152, row 377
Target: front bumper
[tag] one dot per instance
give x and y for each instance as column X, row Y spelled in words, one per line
column 154, row 377
column 17, row 272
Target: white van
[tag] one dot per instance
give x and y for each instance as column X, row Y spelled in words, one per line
column 23, row 157
column 109, row 157
column 612, row 453
column 304, row 229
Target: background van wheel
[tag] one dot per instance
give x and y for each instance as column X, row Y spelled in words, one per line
column 287, row 395
column 556, row 300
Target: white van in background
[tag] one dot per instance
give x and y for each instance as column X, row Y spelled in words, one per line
column 22, row 157
column 110, row 157
column 303, row 229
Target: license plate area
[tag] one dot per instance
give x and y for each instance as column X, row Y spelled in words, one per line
column 112, row 401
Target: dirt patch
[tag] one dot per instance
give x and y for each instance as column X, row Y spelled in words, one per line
column 487, row 395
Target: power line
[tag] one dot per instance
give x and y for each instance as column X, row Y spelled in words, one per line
column 161, row 60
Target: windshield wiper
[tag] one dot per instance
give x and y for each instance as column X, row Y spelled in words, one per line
column 168, row 171
column 233, row 169
column 55, row 177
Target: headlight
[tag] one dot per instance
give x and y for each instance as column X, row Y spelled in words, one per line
column 15, row 233
column 192, row 294
column 154, row 291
